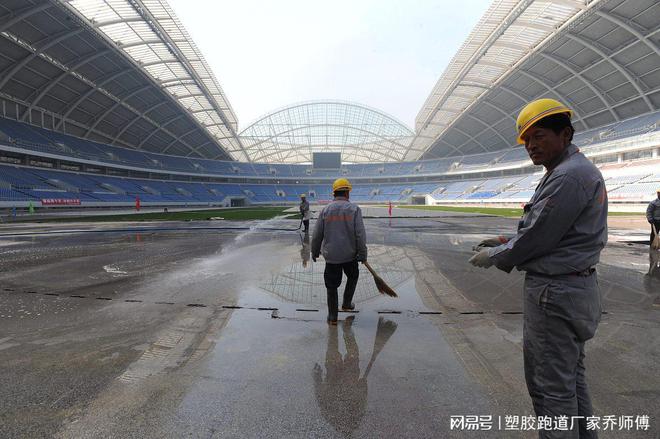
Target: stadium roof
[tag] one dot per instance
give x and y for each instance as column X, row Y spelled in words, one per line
column 361, row 134
column 123, row 72
column 599, row 57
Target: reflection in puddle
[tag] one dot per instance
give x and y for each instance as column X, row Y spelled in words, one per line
column 305, row 250
column 652, row 278
column 303, row 281
column 456, row 240
column 342, row 393
column 654, row 263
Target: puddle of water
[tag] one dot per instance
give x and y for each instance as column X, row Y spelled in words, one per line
column 302, row 283
column 363, row 376
column 242, row 262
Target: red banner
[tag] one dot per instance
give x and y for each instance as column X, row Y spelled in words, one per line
column 60, row 202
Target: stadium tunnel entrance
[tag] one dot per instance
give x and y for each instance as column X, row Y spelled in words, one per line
column 237, row 202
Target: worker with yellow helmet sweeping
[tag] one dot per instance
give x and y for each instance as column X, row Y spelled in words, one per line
column 340, row 236
column 304, row 211
column 560, row 236
column 653, row 217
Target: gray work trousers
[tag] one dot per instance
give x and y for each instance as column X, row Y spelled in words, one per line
column 561, row 314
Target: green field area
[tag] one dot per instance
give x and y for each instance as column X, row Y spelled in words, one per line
column 499, row 211
column 482, row 210
column 241, row 214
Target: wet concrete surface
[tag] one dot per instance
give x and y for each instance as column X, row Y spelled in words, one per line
column 202, row 333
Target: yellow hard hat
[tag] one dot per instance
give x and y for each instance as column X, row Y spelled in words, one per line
column 302, row 195
column 341, row 184
column 537, row 110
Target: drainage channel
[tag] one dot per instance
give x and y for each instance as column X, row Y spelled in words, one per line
column 258, row 308
column 145, row 230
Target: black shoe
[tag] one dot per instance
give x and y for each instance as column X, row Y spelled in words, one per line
column 349, row 307
column 332, row 306
column 349, row 291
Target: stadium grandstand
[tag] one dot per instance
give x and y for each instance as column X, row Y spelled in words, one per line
column 106, row 101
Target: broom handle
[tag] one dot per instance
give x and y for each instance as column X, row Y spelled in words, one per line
column 374, row 354
column 369, row 366
column 376, row 350
column 371, row 270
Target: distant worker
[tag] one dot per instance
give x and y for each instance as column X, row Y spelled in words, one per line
column 653, row 215
column 339, row 234
column 304, row 211
column 560, row 236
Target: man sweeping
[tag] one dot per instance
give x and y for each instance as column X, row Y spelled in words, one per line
column 304, row 212
column 560, row 236
column 653, row 216
column 339, row 234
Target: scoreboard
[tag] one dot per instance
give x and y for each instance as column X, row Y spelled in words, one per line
column 326, row 160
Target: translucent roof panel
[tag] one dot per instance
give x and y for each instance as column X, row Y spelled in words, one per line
column 292, row 134
column 600, row 58
column 152, row 36
column 507, row 32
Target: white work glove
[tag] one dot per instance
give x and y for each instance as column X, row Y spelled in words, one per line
column 481, row 259
column 490, row 242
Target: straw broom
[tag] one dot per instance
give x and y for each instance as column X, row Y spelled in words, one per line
column 380, row 283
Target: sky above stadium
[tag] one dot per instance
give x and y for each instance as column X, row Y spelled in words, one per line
column 387, row 54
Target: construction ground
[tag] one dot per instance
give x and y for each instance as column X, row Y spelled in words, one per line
column 217, row 329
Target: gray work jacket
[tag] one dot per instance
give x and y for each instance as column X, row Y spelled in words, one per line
column 653, row 211
column 339, row 233
column 564, row 226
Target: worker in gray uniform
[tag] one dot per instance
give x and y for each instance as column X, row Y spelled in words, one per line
column 339, row 234
column 304, row 212
column 560, row 236
column 653, row 215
